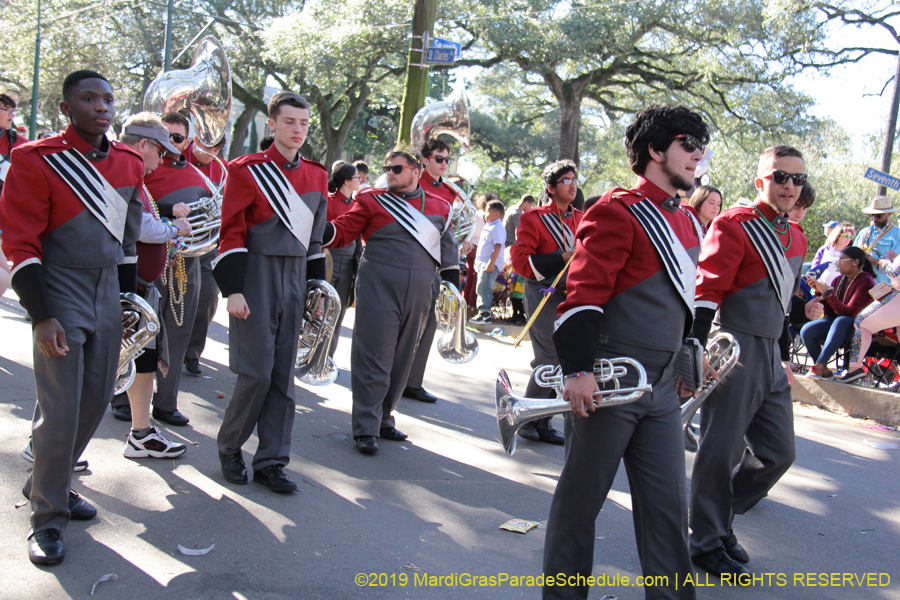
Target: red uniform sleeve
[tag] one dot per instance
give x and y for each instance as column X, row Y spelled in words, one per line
column 527, row 240
column 720, row 257
column 24, row 209
column 239, row 194
column 350, row 225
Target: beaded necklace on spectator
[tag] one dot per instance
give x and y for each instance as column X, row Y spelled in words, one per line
column 843, row 299
column 778, row 234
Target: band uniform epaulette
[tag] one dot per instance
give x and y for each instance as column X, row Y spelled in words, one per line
column 314, row 163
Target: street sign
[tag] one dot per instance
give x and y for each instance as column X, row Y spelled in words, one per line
column 883, row 179
column 439, row 43
column 437, row 56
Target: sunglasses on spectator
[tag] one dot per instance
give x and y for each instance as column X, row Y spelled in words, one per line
column 781, row 177
column 440, row 159
column 397, row 169
column 176, row 137
column 690, row 143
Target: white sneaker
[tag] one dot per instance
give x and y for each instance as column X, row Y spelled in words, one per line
column 80, row 465
column 154, row 445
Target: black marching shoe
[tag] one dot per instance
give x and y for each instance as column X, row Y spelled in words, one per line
column 79, row 508
column 393, row 434
column 529, row 432
column 551, row 436
column 735, row 550
column 122, row 413
column 419, row 394
column 718, row 562
column 172, row 417
column 366, row 444
column 233, row 467
column 273, row 478
column 192, row 366
column 45, row 547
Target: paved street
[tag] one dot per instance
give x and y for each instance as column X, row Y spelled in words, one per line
column 430, row 506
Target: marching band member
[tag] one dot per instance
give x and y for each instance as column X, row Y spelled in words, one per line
column 273, row 215
column 145, row 134
column 201, row 156
column 545, row 239
column 343, row 184
column 435, row 163
column 408, row 239
column 70, row 215
column 9, row 137
column 749, row 269
column 631, row 293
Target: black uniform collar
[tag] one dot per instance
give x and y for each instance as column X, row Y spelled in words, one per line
column 288, row 165
column 426, row 177
column 671, row 203
column 70, row 138
column 179, row 162
column 416, row 193
column 770, row 214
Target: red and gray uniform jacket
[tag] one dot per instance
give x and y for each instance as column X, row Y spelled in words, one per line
column 176, row 181
column 541, row 240
column 436, row 187
column 746, row 274
column 9, row 139
column 296, row 189
column 632, row 279
column 211, row 170
column 45, row 222
column 394, row 233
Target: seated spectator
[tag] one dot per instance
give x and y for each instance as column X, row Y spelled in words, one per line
column 881, row 314
column 838, row 239
column 841, row 304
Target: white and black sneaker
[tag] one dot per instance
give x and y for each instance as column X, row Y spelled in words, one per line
column 80, row 465
column 153, row 445
column 852, row 376
column 484, row 317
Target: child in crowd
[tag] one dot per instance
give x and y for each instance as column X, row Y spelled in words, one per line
column 489, row 259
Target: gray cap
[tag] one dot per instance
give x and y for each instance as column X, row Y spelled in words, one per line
column 152, row 133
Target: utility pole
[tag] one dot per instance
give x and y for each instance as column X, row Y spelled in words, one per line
column 167, row 52
column 36, row 83
column 424, row 15
column 891, row 129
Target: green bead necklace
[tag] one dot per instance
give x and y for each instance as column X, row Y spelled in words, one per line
column 787, row 229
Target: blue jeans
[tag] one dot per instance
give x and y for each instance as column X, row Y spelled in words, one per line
column 832, row 331
column 485, row 289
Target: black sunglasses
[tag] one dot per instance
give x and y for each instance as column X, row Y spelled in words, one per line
column 397, row 169
column 440, row 159
column 690, row 143
column 781, row 177
column 176, row 137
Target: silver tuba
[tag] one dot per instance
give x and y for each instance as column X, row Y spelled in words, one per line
column 135, row 313
column 456, row 345
column 723, row 352
column 514, row 411
column 450, row 116
column 314, row 366
column 201, row 92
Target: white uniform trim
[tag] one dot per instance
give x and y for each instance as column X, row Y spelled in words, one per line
column 284, row 200
column 224, row 254
column 537, row 274
column 25, row 263
column 558, row 323
column 706, row 304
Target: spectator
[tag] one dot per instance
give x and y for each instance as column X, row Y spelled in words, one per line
column 704, row 205
column 839, row 237
column 881, row 239
column 362, row 169
column 489, row 259
column 266, row 142
column 512, row 217
column 828, row 226
column 841, row 305
column 468, row 292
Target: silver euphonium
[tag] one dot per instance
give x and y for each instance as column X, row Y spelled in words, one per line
column 450, row 116
column 202, row 93
column 135, row 313
column 723, row 352
column 513, row 411
column 456, row 345
column 314, row 366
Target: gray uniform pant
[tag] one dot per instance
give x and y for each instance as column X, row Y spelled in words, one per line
column 207, row 303
column 391, row 309
column 75, row 389
column 166, row 395
column 541, row 335
column 648, row 436
column 262, row 352
column 746, row 443
column 417, row 371
column 343, row 265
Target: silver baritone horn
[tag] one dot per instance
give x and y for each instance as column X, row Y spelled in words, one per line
column 456, row 345
column 514, row 411
column 450, row 116
column 135, row 312
column 202, row 93
column 723, row 352
column 314, row 366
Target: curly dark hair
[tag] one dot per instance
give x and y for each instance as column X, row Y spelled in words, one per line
column 656, row 127
column 555, row 170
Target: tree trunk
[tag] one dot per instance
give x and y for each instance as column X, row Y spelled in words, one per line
column 424, row 14
column 239, row 133
column 569, row 95
column 506, row 171
column 336, row 136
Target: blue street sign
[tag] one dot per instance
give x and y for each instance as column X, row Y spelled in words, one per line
column 439, row 43
column 436, row 56
column 883, row 179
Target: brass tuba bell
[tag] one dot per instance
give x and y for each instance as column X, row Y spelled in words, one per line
column 456, row 345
